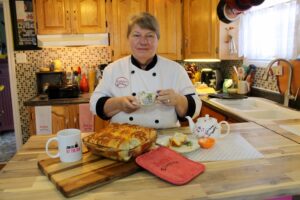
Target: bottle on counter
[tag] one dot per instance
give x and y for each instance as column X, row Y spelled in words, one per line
column 69, row 75
column 91, row 78
column 84, row 85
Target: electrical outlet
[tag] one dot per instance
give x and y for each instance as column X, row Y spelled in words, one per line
column 21, row 58
column 277, row 70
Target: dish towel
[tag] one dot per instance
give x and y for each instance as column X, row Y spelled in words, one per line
column 170, row 165
column 86, row 118
column 43, row 120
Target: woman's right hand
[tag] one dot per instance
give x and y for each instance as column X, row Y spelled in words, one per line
column 128, row 104
column 114, row 105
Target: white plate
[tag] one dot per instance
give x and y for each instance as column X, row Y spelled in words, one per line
column 164, row 141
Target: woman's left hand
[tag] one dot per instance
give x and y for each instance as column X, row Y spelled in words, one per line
column 168, row 97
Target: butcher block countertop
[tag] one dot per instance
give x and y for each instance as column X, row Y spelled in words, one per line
column 276, row 174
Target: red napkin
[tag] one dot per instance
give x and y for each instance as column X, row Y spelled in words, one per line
column 170, row 165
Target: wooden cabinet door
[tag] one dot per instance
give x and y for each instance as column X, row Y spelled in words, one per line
column 60, row 118
column 206, row 110
column 53, row 16
column 88, row 16
column 200, row 29
column 64, row 117
column 122, row 10
column 73, row 116
column 168, row 14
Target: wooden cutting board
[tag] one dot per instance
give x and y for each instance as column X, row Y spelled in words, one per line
column 92, row 171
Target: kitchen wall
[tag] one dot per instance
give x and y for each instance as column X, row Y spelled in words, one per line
column 70, row 56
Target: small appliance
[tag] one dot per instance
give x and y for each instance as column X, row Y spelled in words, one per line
column 212, row 78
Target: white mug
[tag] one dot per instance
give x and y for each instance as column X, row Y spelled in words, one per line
column 69, row 145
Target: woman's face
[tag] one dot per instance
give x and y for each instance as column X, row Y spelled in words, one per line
column 143, row 43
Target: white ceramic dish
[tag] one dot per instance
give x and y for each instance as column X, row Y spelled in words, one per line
column 164, row 141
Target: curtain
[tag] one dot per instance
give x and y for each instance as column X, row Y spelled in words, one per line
column 270, row 32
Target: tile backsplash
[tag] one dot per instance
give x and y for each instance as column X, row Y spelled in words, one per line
column 69, row 56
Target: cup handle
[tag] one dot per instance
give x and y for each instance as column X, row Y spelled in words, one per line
column 47, row 151
column 228, row 128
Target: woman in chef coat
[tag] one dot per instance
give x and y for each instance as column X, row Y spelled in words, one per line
column 115, row 97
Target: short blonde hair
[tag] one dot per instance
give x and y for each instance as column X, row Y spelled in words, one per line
column 145, row 21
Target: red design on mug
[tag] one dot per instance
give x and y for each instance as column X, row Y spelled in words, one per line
column 73, row 148
column 122, row 82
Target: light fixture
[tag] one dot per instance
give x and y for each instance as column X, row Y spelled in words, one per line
column 203, row 60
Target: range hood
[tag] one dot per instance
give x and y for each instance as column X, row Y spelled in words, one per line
column 72, row 40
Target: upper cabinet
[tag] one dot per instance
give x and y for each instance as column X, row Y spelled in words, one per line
column 121, row 13
column 167, row 12
column 70, row 16
column 201, row 29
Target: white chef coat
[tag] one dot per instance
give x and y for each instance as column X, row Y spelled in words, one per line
column 122, row 78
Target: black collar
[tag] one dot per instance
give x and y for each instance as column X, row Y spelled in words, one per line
column 148, row 67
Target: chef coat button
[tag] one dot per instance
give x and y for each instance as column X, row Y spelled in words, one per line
column 153, row 74
column 130, row 118
column 132, row 72
column 156, row 121
column 133, row 94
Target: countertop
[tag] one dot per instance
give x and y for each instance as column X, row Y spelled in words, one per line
column 278, row 173
column 273, row 125
column 39, row 101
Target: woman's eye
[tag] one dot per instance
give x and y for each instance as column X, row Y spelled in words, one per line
column 136, row 36
column 150, row 36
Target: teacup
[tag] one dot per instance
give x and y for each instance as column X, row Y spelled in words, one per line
column 146, row 98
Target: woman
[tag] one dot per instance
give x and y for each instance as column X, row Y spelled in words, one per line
column 115, row 97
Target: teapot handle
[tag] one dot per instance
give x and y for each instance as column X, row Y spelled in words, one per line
column 228, row 128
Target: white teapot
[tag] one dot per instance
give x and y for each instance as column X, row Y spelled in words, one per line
column 207, row 127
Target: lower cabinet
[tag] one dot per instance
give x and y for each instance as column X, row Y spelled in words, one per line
column 63, row 117
column 219, row 116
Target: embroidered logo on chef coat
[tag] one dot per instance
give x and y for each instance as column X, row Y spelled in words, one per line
column 122, row 82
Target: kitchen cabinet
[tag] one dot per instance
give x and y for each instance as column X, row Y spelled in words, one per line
column 218, row 115
column 167, row 12
column 63, row 117
column 121, row 12
column 200, row 29
column 6, row 114
column 70, row 16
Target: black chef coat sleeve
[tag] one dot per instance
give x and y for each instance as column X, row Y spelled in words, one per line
column 100, row 108
column 191, row 108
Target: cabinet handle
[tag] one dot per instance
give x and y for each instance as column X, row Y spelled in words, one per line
column 75, row 120
column 186, row 42
column 67, row 122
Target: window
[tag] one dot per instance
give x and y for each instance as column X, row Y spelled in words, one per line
column 270, row 31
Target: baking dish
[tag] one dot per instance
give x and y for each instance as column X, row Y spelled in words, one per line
column 121, row 142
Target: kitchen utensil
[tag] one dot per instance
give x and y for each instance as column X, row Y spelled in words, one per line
column 207, row 127
column 170, row 166
column 90, row 172
column 243, row 87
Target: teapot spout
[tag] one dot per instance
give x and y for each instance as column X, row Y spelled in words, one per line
column 191, row 123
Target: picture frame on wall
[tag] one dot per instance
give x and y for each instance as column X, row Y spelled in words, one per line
column 22, row 17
